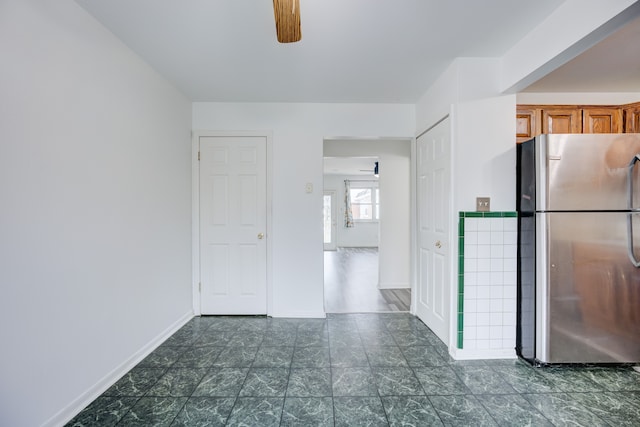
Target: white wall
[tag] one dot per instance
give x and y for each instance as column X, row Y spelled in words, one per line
column 364, row 234
column 95, row 244
column 298, row 134
column 617, row 98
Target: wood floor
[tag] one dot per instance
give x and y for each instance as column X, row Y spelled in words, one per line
column 351, row 284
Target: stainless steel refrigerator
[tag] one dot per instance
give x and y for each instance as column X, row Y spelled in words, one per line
column 578, row 202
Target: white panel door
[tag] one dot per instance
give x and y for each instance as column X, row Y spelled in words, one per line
column 233, row 250
column 433, row 305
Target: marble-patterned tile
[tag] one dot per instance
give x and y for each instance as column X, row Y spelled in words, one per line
column 353, row 382
column 482, row 379
column 283, row 325
column 386, row 356
column 162, row 357
column 409, row 338
column 198, row 357
column 342, row 324
column 526, row 379
column 371, row 322
column 252, row 324
column 307, row 411
column 461, row 411
column 279, row 338
column 177, row 382
column 397, row 382
column 265, row 382
column 423, row 355
column 570, row 379
column 376, row 338
column 195, row 325
column 345, row 339
column 614, row 408
column 440, row 380
column 183, row 338
column 236, row 357
column 615, row 379
column 246, row 339
column 273, row 357
column 104, row 411
column 632, row 396
column 214, row 337
column 136, row 382
column 512, row 410
column 562, row 410
column 256, row 411
column 312, row 338
column 404, row 323
column 154, row 411
column 311, row 357
column 410, row 411
column 220, row 323
column 221, row 382
column 313, row 326
column 344, row 357
column 359, row 411
column 204, row 411
column 309, row 382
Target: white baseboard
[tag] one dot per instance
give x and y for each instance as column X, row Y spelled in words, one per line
column 78, row 404
column 461, row 354
column 394, row 285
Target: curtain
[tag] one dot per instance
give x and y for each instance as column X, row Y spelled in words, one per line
column 348, row 215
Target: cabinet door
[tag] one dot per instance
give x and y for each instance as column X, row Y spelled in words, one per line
column 564, row 120
column 632, row 119
column 602, row 120
column 527, row 123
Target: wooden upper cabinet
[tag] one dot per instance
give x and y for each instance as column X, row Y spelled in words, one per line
column 562, row 120
column 527, row 123
column 632, row 118
column 533, row 120
column 602, row 120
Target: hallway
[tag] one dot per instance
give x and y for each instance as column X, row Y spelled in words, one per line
column 350, row 284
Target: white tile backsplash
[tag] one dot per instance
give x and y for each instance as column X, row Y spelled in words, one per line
column 489, row 283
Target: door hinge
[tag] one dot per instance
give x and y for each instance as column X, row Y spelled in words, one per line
column 198, row 155
column 200, row 287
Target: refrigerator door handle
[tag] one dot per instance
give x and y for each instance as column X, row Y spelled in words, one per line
column 630, row 251
column 630, row 168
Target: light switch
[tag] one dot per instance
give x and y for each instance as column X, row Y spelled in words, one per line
column 309, row 187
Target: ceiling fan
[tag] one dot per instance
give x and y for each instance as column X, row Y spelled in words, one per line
column 287, row 14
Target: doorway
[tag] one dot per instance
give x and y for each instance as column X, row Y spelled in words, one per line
column 361, row 272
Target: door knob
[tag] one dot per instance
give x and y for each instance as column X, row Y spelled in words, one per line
column 260, row 236
column 438, row 244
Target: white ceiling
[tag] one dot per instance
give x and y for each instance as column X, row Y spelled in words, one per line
column 349, row 165
column 351, row 50
column 613, row 65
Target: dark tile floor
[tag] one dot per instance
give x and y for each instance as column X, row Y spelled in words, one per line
column 350, row 370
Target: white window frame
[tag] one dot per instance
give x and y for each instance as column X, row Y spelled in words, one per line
column 375, row 202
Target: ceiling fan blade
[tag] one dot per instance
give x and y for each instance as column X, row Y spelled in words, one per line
column 287, row 14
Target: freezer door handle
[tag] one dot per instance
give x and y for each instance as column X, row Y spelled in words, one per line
column 630, row 250
column 630, row 168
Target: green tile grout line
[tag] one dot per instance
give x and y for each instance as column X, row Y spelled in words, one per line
column 462, row 216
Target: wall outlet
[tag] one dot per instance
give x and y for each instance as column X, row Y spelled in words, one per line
column 308, row 188
column 483, row 204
